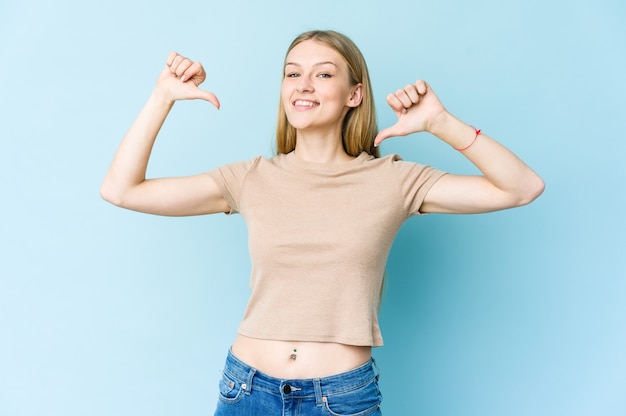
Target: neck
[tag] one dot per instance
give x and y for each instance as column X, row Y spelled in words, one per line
column 320, row 148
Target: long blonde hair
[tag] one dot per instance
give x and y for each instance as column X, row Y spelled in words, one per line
column 359, row 125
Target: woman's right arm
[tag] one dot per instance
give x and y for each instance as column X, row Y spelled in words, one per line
column 125, row 183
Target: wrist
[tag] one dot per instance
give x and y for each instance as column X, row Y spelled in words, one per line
column 465, row 147
column 454, row 132
column 160, row 97
column 440, row 124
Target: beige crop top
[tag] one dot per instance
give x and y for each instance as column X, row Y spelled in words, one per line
column 319, row 238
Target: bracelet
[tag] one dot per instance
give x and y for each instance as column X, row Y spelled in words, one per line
column 469, row 145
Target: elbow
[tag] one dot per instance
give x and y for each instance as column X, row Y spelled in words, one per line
column 111, row 195
column 533, row 189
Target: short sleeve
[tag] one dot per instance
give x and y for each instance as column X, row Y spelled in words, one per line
column 230, row 179
column 415, row 180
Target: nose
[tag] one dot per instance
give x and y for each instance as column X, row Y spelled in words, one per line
column 304, row 84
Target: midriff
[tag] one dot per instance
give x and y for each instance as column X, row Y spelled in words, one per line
column 312, row 359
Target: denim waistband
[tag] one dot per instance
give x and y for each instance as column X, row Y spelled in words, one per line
column 301, row 388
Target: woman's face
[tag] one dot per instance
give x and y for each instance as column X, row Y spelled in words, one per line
column 316, row 89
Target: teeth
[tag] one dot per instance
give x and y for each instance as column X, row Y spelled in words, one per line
column 304, row 103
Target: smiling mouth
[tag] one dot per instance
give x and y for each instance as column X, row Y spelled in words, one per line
column 305, row 103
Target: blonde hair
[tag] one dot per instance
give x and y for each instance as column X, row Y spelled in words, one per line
column 359, row 125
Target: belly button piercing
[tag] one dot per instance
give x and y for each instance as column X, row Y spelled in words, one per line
column 294, row 356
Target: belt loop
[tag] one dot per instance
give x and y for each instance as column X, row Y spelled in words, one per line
column 251, row 373
column 376, row 369
column 318, row 392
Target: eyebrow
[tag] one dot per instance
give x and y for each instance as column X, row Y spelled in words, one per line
column 316, row 64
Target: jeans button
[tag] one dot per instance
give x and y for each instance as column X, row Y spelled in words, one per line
column 286, row 389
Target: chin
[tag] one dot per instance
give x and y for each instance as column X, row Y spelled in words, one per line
column 298, row 124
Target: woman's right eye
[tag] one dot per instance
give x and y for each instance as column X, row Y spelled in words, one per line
column 292, row 75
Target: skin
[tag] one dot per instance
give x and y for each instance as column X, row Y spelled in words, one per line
column 317, row 95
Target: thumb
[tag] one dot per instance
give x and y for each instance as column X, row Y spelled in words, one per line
column 208, row 96
column 385, row 134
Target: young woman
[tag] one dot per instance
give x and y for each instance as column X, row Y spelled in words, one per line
column 322, row 215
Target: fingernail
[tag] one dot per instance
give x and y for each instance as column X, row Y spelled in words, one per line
column 182, row 78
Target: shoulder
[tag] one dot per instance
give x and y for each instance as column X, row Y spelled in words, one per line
column 242, row 165
column 235, row 171
column 389, row 159
column 393, row 163
column 405, row 171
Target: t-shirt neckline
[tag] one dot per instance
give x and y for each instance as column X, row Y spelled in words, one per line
column 293, row 160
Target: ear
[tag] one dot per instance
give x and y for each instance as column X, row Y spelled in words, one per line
column 356, row 96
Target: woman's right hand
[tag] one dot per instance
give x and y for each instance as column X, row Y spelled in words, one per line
column 180, row 80
column 125, row 183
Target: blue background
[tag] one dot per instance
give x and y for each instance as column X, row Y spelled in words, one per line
column 109, row 312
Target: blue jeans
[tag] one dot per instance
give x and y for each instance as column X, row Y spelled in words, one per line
column 247, row 391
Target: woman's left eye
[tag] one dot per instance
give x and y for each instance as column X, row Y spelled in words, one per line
column 324, row 75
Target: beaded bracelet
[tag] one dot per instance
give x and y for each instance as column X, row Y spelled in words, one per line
column 469, row 145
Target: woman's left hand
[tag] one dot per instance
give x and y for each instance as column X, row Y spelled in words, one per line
column 418, row 108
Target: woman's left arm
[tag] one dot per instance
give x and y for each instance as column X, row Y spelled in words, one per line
column 506, row 182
